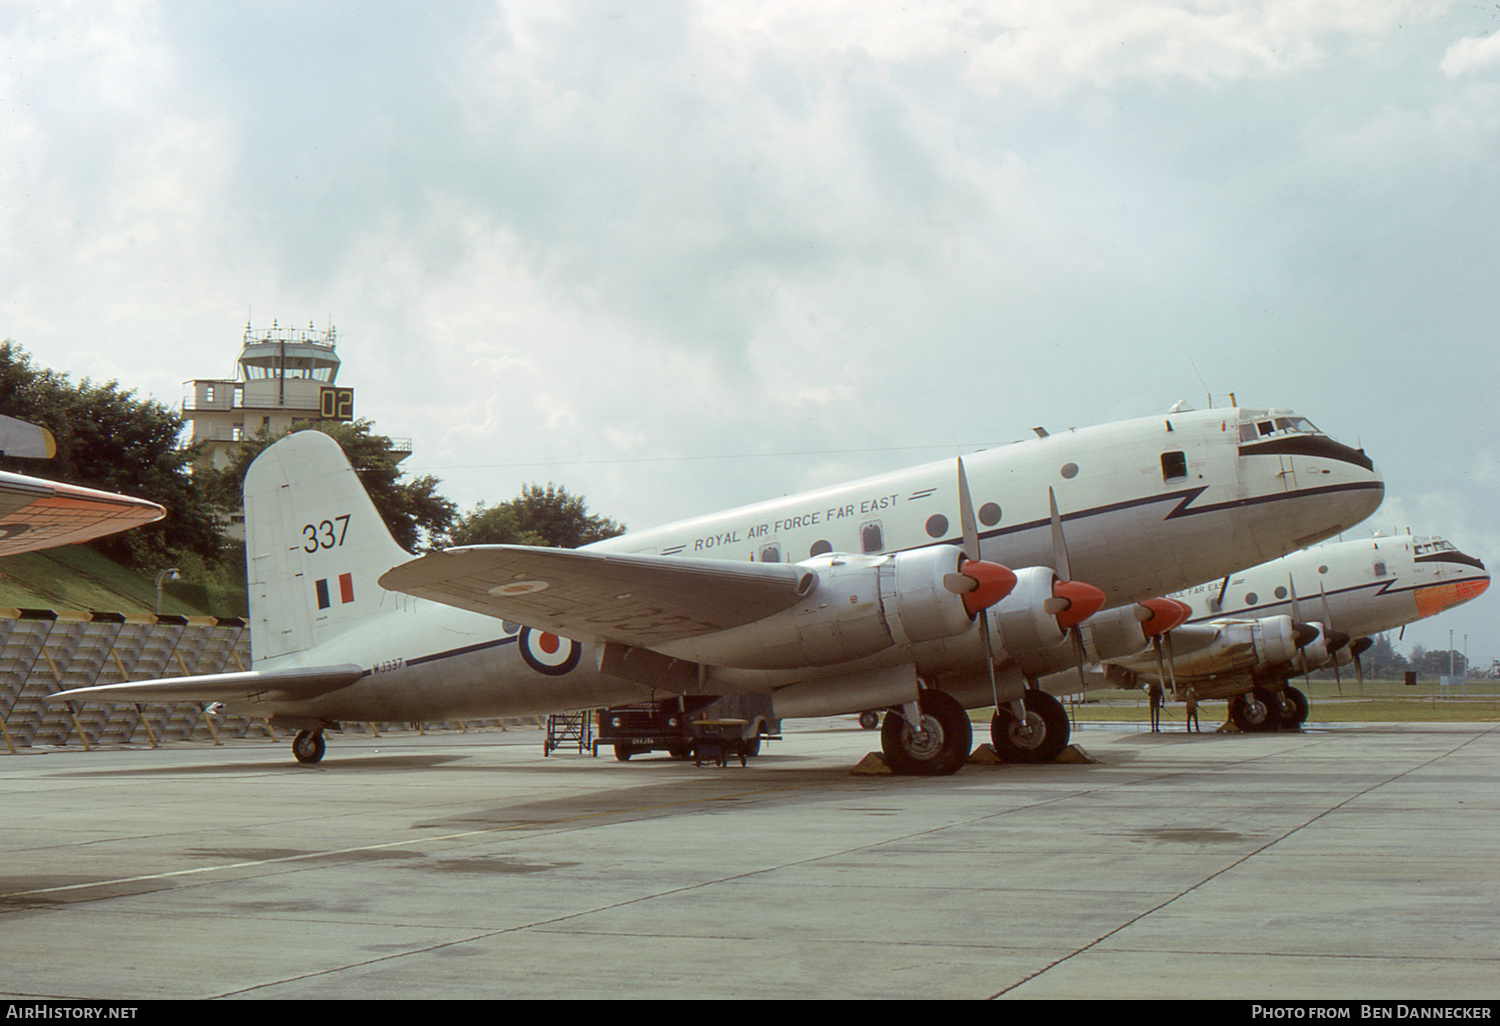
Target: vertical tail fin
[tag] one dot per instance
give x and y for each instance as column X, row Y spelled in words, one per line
column 314, row 546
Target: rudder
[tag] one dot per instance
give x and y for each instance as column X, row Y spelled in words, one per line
column 314, row 546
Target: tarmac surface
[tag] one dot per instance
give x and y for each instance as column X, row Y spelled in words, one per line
column 1350, row 863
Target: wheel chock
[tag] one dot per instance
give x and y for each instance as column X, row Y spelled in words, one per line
column 985, row 755
column 872, row 765
column 1075, row 755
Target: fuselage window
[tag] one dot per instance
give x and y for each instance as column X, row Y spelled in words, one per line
column 771, row 554
column 1380, row 568
column 1173, row 465
column 819, row 548
column 871, row 537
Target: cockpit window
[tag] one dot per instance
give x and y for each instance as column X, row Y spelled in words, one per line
column 1275, row 426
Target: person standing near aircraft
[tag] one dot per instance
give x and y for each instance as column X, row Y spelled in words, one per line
column 1155, row 693
column 1192, row 711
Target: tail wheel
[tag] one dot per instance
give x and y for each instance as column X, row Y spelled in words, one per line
column 308, row 746
column 1046, row 735
column 938, row 748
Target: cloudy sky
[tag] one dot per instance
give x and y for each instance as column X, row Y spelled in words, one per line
column 677, row 256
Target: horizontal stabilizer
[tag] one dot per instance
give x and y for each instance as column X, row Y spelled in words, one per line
column 635, row 599
column 247, row 685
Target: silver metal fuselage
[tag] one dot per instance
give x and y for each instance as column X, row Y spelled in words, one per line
column 1147, row 507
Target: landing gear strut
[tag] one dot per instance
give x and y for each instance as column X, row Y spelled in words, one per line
column 1041, row 739
column 308, row 746
column 938, row 747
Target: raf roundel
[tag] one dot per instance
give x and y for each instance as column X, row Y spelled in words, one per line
column 547, row 653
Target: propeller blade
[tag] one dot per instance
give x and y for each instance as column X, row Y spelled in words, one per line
column 980, row 582
column 1059, row 542
column 966, row 514
column 991, row 581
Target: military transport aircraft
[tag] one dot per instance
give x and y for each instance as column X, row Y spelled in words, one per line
column 930, row 590
column 38, row 514
column 1249, row 634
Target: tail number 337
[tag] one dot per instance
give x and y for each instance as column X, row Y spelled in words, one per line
column 329, row 534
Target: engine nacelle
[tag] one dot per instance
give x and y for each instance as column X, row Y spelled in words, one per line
column 858, row 605
column 1130, row 630
column 1324, row 650
column 1020, row 623
column 1235, row 645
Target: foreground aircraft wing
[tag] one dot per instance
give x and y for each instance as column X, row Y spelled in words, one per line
column 247, row 685
column 640, row 600
column 37, row 514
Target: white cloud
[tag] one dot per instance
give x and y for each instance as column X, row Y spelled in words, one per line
column 1471, row 54
column 1049, row 46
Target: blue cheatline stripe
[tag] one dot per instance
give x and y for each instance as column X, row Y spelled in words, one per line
column 450, row 653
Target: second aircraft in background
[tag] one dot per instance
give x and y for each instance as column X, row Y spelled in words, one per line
column 1249, row 634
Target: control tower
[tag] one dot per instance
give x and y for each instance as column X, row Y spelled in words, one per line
column 285, row 374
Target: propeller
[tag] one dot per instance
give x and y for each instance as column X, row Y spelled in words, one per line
column 1072, row 602
column 980, row 582
column 1333, row 639
column 1158, row 617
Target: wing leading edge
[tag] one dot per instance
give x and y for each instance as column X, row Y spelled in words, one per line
column 640, row 600
column 38, row 514
column 245, row 686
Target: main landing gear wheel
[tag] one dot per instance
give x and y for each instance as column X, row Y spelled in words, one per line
column 308, row 746
column 1293, row 708
column 939, row 748
column 1048, row 734
column 1252, row 711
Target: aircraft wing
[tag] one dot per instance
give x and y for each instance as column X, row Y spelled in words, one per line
column 28, row 441
column 38, row 514
column 640, row 600
column 247, row 685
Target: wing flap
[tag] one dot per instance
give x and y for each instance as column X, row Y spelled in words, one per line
column 636, row 599
column 247, row 685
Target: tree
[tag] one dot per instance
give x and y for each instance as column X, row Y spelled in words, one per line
column 538, row 516
column 110, row 440
column 1384, row 659
column 412, row 510
column 1437, row 662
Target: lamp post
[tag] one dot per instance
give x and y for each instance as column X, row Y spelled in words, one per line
column 169, row 574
